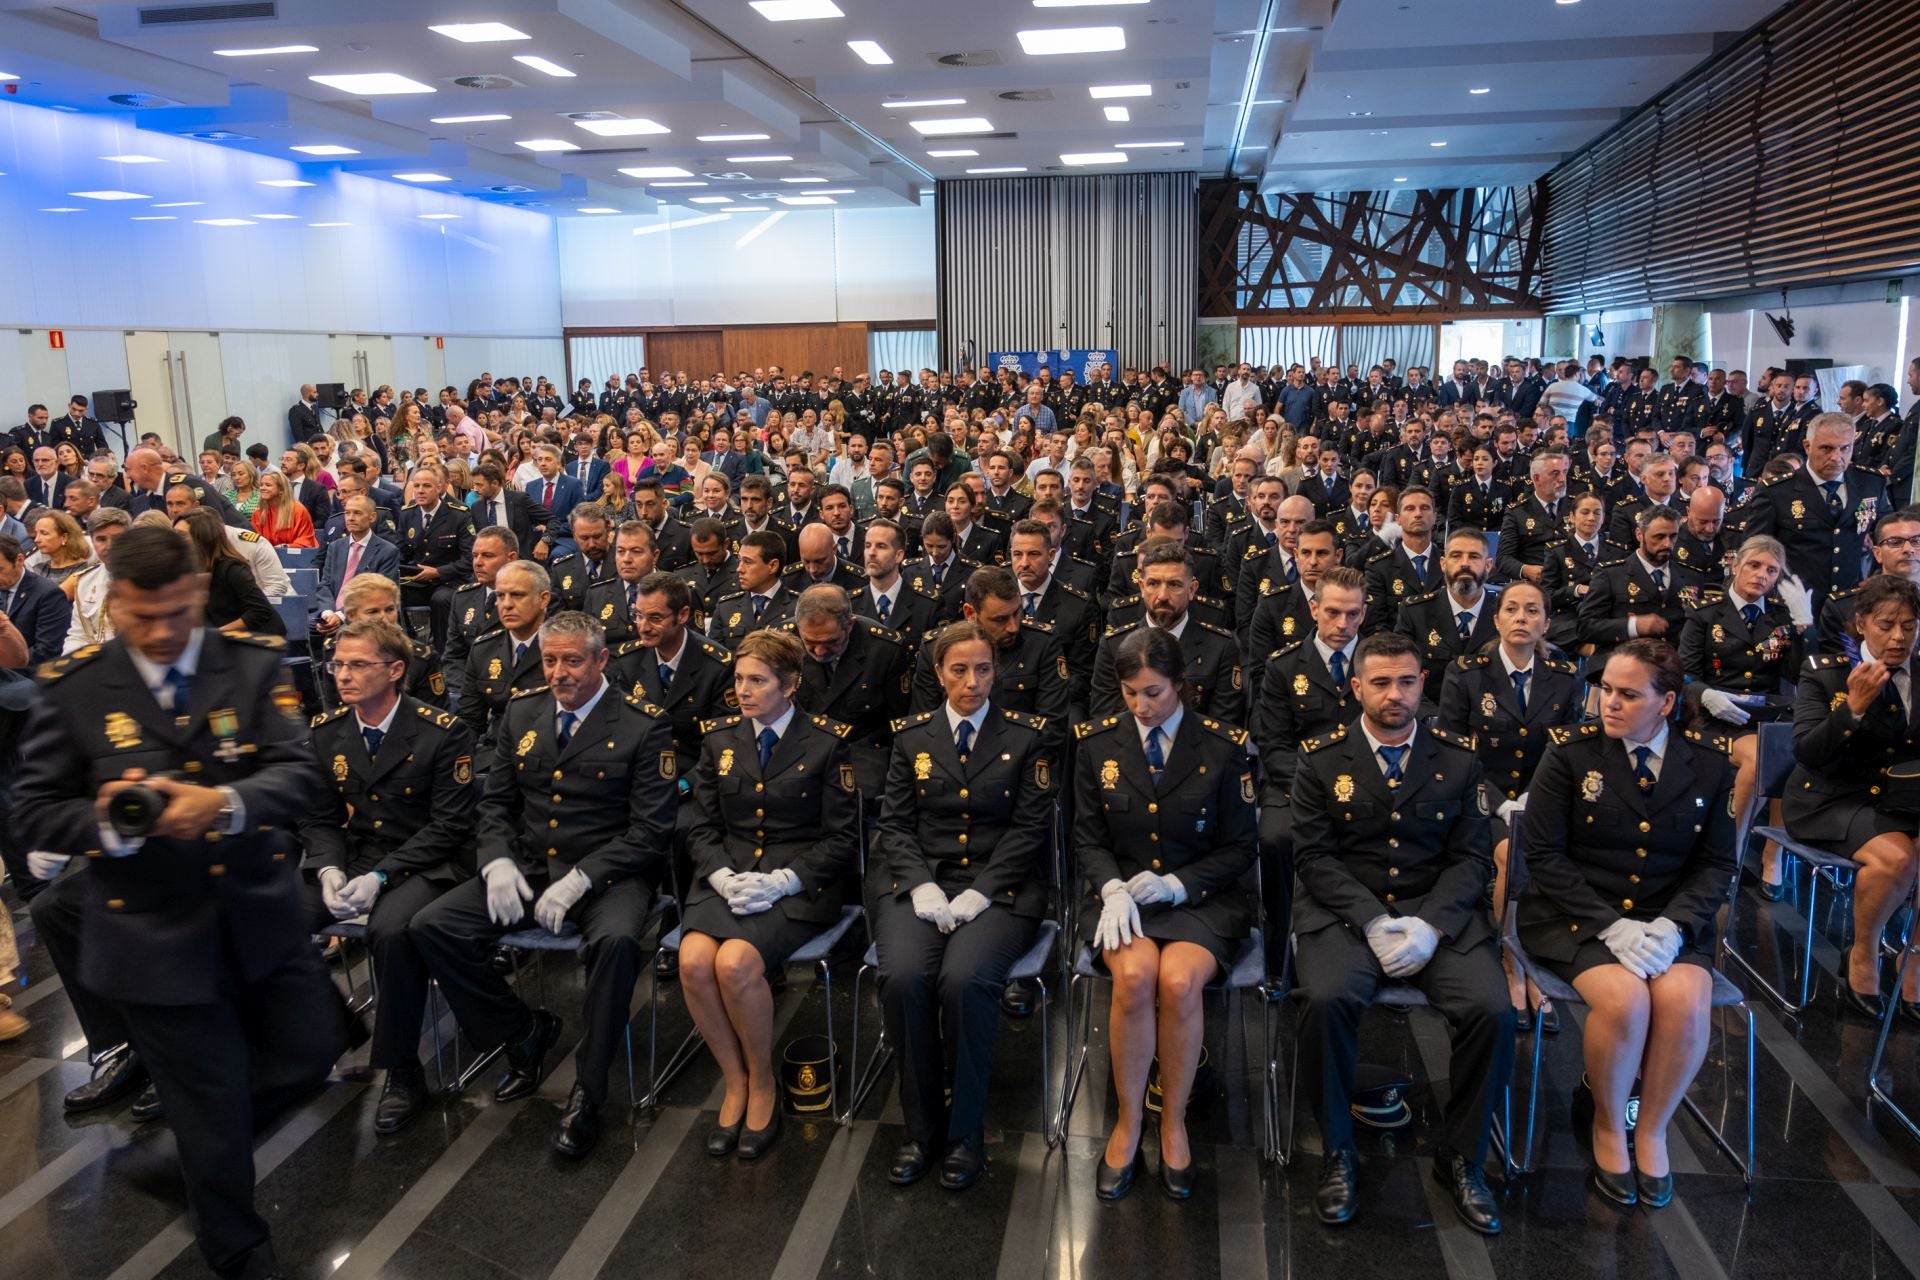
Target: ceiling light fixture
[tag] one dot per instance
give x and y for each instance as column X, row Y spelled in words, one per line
column 284, row 182
column 1004, row 168
column 275, row 217
column 6, row 76
column 1436, row 144
column 422, row 177
column 1120, row 90
column 109, row 195
column 657, row 171
column 373, row 84
column 622, row 128
column 479, row 32
column 154, row 217
column 270, row 49
column 832, row 191
column 440, row 217
column 1483, row 89
column 541, row 64
column 1146, row 146
column 1053, row 41
column 710, row 200
column 1399, row 179
column 180, row 204
column 325, row 149
column 224, row 222
column 796, row 10
column 748, row 208
column 757, row 159
column 807, row 200
column 803, row 179
column 597, row 208
column 1078, row 158
column 955, row 125
column 870, row 52
column 329, row 224
column 1118, row 115
column 953, row 154
column 1079, row 4
column 466, row 119
column 731, row 137
column 60, row 209
column 547, row 144
column 925, row 102
column 137, row 159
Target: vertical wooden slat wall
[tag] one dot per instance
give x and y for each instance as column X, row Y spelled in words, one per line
column 1785, row 160
column 1107, row 261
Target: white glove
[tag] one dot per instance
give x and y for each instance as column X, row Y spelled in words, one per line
column 1721, row 706
column 1147, row 888
column 42, row 865
column 506, row 890
column 1384, row 936
column 1418, row 942
column 1659, row 947
column 560, row 898
column 1510, row 807
column 967, row 904
column 1390, row 532
column 747, row 894
column 1119, row 917
column 722, row 883
column 359, row 894
column 932, row 906
column 1799, row 600
column 1623, row 938
column 332, row 881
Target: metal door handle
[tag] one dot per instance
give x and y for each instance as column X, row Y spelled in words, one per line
column 187, row 387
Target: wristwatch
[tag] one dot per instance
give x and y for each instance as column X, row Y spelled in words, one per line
column 227, row 822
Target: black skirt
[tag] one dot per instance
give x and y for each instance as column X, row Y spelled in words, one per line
column 1593, row 953
column 1165, row 923
column 1863, row 825
column 769, row 932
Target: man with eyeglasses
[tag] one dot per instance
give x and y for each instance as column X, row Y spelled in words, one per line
column 1896, row 553
column 390, row 836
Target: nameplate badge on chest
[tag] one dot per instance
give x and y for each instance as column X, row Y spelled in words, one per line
column 1590, row 787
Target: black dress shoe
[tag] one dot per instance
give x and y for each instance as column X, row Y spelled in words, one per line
column 1016, row 999
column 1337, row 1199
column 401, row 1098
column 1910, row 1010
column 1549, row 1021
column 666, row 965
column 1466, row 1183
column 1177, row 1184
column 910, row 1164
column 1773, row 892
column 1110, row 1183
column 1617, row 1187
column 964, row 1165
column 147, row 1106
column 501, row 962
column 117, row 1074
column 1655, row 1193
column 755, row 1143
column 1871, row 1007
column 723, row 1138
column 525, row 1058
column 579, row 1126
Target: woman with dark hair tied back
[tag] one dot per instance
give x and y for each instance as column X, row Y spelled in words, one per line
column 964, row 826
column 1629, row 832
column 1506, row 698
column 234, row 600
column 1163, row 833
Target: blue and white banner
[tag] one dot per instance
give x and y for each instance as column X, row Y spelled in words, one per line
column 1082, row 362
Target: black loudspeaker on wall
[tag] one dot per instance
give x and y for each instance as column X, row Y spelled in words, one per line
column 331, row 395
column 1811, row 364
column 113, row 406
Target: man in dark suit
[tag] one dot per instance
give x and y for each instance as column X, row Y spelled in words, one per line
column 1460, row 389
column 1534, row 523
column 307, row 491
column 360, row 551
column 496, row 504
column 585, row 468
column 436, row 550
column 554, row 494
column 37, row 608
column 1823, row 512
column 1640, row 595
column 303, row 417
column 195, row 930
column 46, row 482
column 79, row 430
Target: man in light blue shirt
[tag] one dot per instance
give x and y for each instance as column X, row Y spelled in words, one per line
column 1196, row 396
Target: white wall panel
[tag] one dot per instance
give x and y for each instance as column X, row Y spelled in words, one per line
column 43, row 377
column 884, row 264
column 263, row 375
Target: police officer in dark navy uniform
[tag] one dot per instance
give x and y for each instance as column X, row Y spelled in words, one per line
column 712, row 572
column 1283, row 615
column 762, row 601
column 1531, row 525
column 1701, row 541
column 965, row 822
column 506, row 661
column 1640, row 595
column 1214, row 673
column 193, row 925
column 590, row 859
column 1409, row 567
column 1030, row 664
column 393, row 833
column 1683, row 402
column 613, row 599
column 886, row 596
column 575, row 573
column 856, row 673
column 1394, row 859
column 1048, row 598
column 1568, row 572
column 1168, row 523
column 436, row 549
column 472, row 613
column 940, row 571
column 1824, row 511
column 370, row 597
column 1456, row 618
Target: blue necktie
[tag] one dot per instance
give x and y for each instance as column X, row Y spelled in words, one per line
column 1393, row 756
column 846, row 549
column 939, row 572
column 884, row 607
column 519, row 652
column 372, row 738
column 1832, row 488
column 565, row 735
column 1365, row 522
column 1464, row 621
column 1293, row 573
column 1273, row 540
column 1660, row 581
column 1337, row 668
column 1520, row 689
column 666, row 676
column 963, row 739
column 1033, row 601
column 767, row 740
column 1751, row 613
column 1156, row 755
column 1642, row 774
column 633, row 597
column 182, row 686
column 1420, row 566
column 759, row 607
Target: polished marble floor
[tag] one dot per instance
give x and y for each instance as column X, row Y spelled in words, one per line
column 472, row 1191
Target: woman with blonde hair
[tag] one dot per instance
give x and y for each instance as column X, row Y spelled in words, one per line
column 246, row 487
column 60, row 548
column 278, row 518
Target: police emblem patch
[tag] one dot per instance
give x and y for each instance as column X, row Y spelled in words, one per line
column 526, row 742
column 463, row 770
column 1487, row 704
column 725, row 766
column 846, row 778
column 923, row 766
column 669, row 767
column 1343, row 788
column 493, row 669
column 1591, row 786
column 1110, row 774
column 122, row 731
column 339, row 768
column 1300, row 684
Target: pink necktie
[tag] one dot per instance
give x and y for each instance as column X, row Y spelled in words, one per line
column 353, row 567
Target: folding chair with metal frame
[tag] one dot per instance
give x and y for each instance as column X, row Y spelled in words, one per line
column 355, row 930
column 1875, row 1091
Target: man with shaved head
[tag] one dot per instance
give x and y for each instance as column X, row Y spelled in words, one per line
column 820, row 562
column 148, row 480
column 1270, row 559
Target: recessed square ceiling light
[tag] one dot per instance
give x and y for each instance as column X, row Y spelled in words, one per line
column 109, row 195
column 272, row 48
column 710, row 200
column 1119, row 115
column 154, row 217
column 180, row 204
column 548, row 144
column 1093, row 157
column 325, row 149
column 926, row 102
column 60, row 209
column 956, row 125
column 832, row 191
column 1149, row 146
column 1399, row 179
column 1003, row 168
column 440, row 217
column 732, row 137
column 1120, row 90
column 329, row 224
column 134, row 159
column 748, row 208
column 953, row 154
column 1436, row 144
column 539, row 63
column 808, row 200
column 1478, row 91
column 796, row 10
column 5, row 76
column 757, row 159
column 870, row 52
column 1051, row 41
column 657, row 171
column 224, row 222
column 422, row 177
column 596, row 208
column 372, row 84
column 1079, row 4
column 284, row 182
column 274, row 217
column 622, row 128
column 803, row 179
column 466, row 119
column 479, row 32
column 676, row 184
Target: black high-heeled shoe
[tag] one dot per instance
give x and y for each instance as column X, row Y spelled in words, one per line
column 1620, row 1188
column 1655, row 1193
column 1177, row 1184
column 1871, row 1007
column 1114, row 1184
column 1774, row 892
column 755, row 1143
column 723, row 1138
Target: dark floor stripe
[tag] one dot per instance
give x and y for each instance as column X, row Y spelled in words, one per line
column 1844, row 1115
column 37, row 992
column 1890, row 1222
column 596, row 1241
column 380, row 1244
column 812, row 1234
column 93, row 1144
column 1036, row 1181
column 1243, row 1227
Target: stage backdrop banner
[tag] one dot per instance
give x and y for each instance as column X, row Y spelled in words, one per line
column 1028, row 362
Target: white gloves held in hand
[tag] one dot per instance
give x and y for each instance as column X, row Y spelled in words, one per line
column 506, row 890
column 42, row 865
column 561, row 897
column 1730, row 707
column 751, row 892
column 1799, row 600
column 1626, row 938
column 932, row 906
column 1119, row 917
column 967, row 904
column 1147, row 888
column 1402, row 944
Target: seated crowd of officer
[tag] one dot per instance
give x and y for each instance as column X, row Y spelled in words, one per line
column 1285, row 650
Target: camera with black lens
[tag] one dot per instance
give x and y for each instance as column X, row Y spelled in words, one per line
column 133, row 811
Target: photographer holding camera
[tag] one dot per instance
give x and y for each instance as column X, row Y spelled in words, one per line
column 175, row 759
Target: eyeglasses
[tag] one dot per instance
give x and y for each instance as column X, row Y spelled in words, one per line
column 354, row 668
column 1896, row 543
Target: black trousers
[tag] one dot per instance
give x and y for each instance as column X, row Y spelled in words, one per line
column 457, row 937
column 1276, row 881
column 941, row 997
column 399, row 970
column 439, row 602
column 1338, row 976
column 56, row 919
column 224, row 1070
